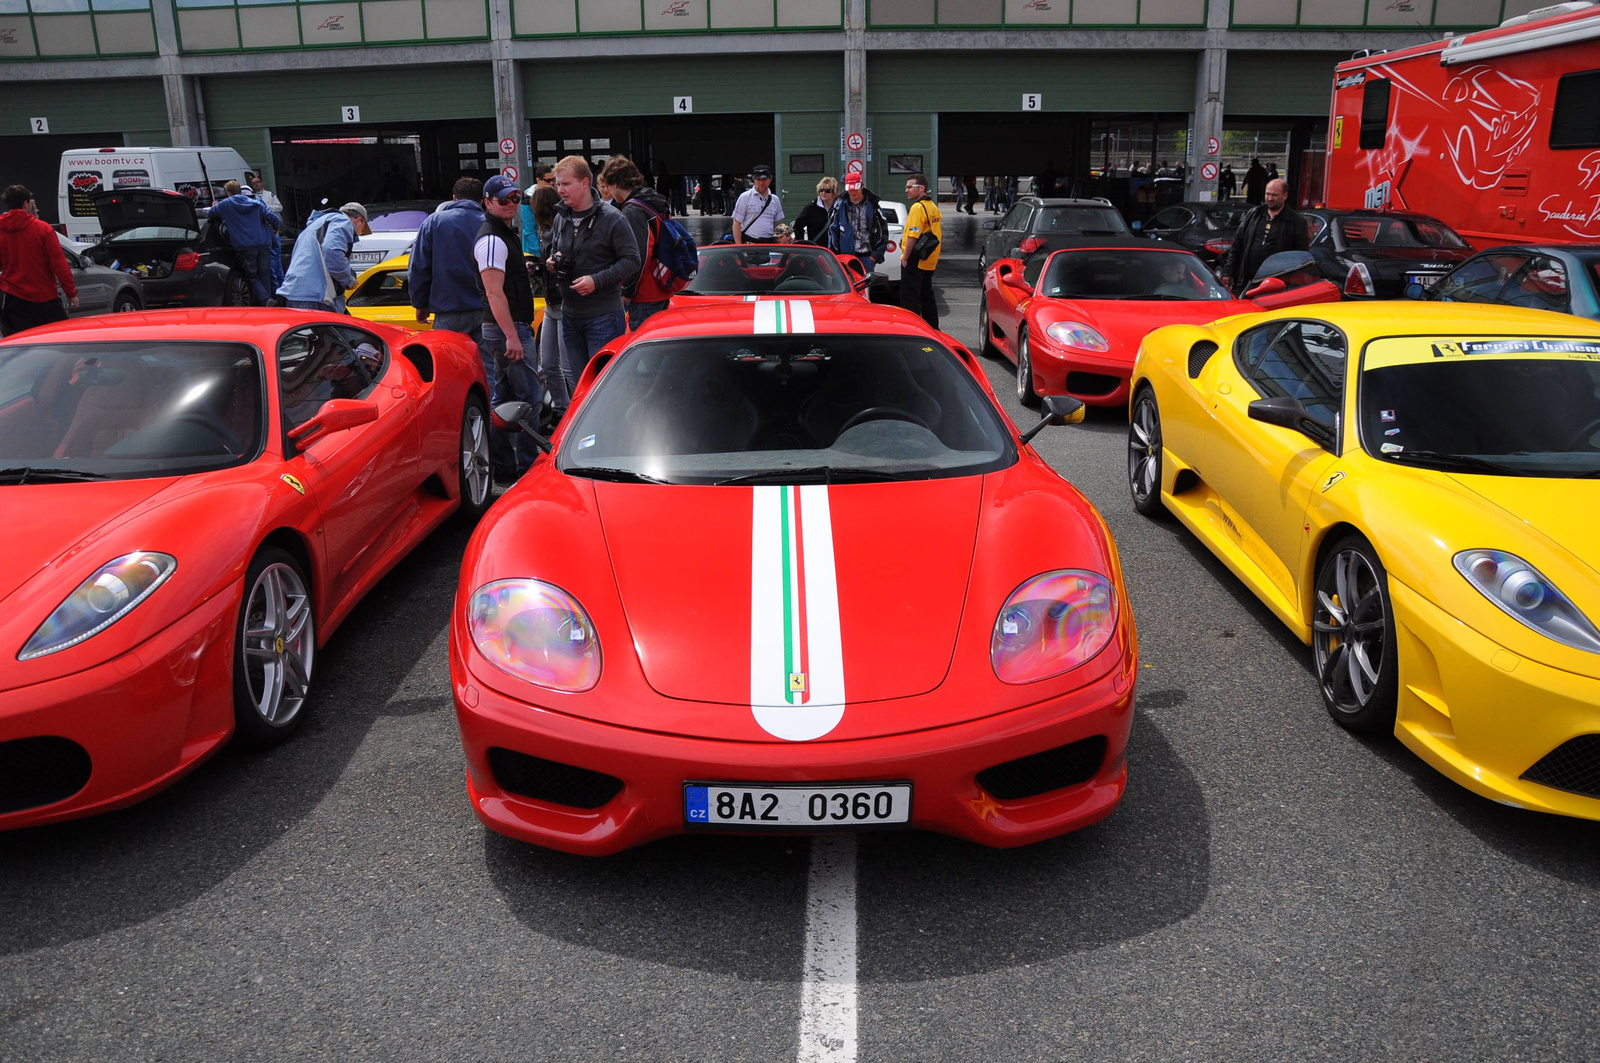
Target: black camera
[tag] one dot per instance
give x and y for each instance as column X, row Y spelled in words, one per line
column 562, row 271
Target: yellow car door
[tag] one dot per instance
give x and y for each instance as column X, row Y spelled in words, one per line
column 1264, row 472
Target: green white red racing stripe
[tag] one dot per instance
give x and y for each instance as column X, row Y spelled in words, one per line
column 796, row 655
column 776, row 316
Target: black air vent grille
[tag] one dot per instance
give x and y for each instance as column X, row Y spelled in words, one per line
column 1054, row 769
column 549, row 780
column 40, row 771
column 1573, row 766
column 1199, row 355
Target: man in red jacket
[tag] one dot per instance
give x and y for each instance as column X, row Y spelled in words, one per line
column 31, row 264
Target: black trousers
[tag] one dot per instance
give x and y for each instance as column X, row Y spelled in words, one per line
column 916, row 294
column 19, row 315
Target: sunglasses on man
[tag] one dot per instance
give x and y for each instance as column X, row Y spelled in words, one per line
column 508, row 199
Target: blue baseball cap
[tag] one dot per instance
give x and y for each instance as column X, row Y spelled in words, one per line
column 498, row 186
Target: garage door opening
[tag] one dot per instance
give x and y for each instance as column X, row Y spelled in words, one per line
column 35, row 162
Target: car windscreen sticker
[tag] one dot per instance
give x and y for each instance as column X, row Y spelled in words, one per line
column 778, row 316
column 130, row 178
column 796, row 653
column 1416, row 350
column 1529, row 345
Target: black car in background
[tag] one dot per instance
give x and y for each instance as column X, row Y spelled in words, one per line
column 179, row 259
column 1375, row 254
column 1032, row 223
column 1205, row 228
column 1564, row 278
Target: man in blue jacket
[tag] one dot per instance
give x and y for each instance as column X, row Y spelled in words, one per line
column 319, row 271
column 857, row 226
column 443, row 278
column 251, row 228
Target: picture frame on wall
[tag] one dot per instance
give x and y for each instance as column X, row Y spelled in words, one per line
column 905, row 164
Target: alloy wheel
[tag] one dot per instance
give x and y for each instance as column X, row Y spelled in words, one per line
column 1350, row 627
column 1144, row 451
column 1025, row 393
column 279, row 644
column 476, row 472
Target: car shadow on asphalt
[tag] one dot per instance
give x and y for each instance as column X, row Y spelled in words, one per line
column 930, row 906
column 75, row 880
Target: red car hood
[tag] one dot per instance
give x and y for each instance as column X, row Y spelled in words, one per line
column 1126, row 322
column 45, row 523
column 801, row 594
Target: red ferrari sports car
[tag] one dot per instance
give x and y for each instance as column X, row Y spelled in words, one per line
column 194, row 500
column 786, row 271
column 1073, row 319
column 791, row 571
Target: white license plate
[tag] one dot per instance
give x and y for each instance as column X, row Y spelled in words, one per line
column 1427, row 280
column 367, row 256
column 804, row 807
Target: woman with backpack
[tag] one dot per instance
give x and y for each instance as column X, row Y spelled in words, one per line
column 641, row 205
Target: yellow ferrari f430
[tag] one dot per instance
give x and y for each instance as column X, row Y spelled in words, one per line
column 1414, row 489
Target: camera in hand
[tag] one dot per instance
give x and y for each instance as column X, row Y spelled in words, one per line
column 562, row 271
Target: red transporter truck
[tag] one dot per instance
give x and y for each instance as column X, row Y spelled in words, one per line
column 1496, row 133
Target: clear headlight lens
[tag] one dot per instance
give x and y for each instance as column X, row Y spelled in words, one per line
column 1051, row 624
column 1522, row 591
column 1077, row 334
column 535, row 631
column 107, row 596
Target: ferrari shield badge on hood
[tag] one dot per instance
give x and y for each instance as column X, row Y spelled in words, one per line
column 796, row 655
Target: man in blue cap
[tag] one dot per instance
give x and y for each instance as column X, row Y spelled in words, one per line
column 508, row 317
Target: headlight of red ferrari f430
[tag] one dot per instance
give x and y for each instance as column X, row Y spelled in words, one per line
column 1052, row 624
column 537, row 632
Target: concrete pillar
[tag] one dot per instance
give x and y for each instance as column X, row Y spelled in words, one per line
column 855, row 78
column 1205, row 121
column 183, row 113
column 510, row 117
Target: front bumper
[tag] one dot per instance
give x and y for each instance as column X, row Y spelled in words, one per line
column 1483, row 715
column 940, row 763
column 144, row 719
column 1059, row 371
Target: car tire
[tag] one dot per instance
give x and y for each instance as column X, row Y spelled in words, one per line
column 1025, row 393
column 236, row 289
column 476, row 473
column 986, row 347
column 1352, row 623
column 126, row 303
column 275, row 644
column 1144, row 454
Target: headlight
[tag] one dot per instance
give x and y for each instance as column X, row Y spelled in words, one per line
column 1077, row 334
column 537, row 632
column 100, row 601
column 1051, row 624
column 1522, row 591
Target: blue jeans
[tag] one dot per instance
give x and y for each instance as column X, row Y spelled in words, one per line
column 552, row 365
column 510, row 381
column 257, row 265
column 468, row 321
column 639, row 313
column 582, row 338
column 312, row 304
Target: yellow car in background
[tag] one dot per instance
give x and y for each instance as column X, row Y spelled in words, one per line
column 1414, row 489
column 381, row 294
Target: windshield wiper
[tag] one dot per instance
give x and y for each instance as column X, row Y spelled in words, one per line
column 1456, row 462
column 25, row 475
column 621, row 476
column 830, row 474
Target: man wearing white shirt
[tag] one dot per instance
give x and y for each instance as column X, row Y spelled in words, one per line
column 270, row 199
column 758, row 211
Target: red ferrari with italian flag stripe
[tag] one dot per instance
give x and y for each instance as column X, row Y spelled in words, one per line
column 789, row 567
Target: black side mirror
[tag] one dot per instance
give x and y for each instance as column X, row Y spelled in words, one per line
column 1058, row 409
column 1414, row 291
column 519, row 415
column 1290, row 413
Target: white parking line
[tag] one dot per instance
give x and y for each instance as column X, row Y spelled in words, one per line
column 828, row 995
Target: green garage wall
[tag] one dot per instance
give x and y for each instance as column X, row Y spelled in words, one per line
column 1273, row 83
column 900, row 134
column 805, row 133
column 416, row 94
column 727, row 84
column 1068, row 81
column 136, row 105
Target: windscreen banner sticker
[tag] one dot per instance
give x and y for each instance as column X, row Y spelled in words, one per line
column 130, row 178
column 1461, row 348
column 80, row 185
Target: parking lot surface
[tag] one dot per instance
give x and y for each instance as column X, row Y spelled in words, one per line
column 1272, row 887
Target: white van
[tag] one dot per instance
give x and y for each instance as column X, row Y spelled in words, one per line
column 198, row 173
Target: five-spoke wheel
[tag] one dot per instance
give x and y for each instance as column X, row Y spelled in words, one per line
column 277, row 643
column 1353, row 637
column 1025, row 393
column 476, row 471
column 1144, row 454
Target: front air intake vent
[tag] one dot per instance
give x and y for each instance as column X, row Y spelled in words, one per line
column 40, row 771
column 1199, row 355
column 1054, row 769
column 549, row 780
column 1573, row 766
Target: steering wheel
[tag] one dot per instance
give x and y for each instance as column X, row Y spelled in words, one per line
column 230, row 442
column 883, row 413
column 1584, row 434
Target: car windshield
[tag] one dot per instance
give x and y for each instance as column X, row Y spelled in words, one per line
column 126, row 410
column 1515, row 407
column 1092, row 221
column 1129, row 274
column 1365, row 231
column 398, row 217
column 384, row 288
column 763, row 269
column 788, row 408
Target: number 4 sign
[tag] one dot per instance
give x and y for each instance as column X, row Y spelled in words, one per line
column 683, row 105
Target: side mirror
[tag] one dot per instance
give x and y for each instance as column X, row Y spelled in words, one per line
column 519, row 416
column 1286, row 412
column 1058, row 410
column 991, row 225
column 1014, row 280
column 1138, row 226
column 1270, row 286
column 336, row 415
column 1414, row 291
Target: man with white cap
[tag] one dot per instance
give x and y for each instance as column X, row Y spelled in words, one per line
column 856, row 226
column 319, row 270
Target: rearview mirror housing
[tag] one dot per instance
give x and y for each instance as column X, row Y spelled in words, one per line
column 336, row 415
column 1058, row 410
column 1286, row 412
column 1414, row 291
column 1014, row 279
column 1270, row 286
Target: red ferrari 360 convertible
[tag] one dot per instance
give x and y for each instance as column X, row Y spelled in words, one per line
column 790, row 568
column 194, row 500
column 1073, row 319
column 773, row 271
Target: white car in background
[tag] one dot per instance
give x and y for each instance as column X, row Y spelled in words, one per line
column 394, row 230
column 886, row 285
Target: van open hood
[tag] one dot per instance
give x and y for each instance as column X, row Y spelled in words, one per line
column 133, row 208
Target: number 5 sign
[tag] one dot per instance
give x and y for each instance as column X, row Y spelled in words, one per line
column 1032, row 101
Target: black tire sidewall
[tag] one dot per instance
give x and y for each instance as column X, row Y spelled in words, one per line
column 1378, row 716
column 249, row 727
column 125, row 299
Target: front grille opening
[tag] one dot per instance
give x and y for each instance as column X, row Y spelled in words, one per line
column 1054, row 769
column 549, row 780
column 1091, row 383
column 1573, row 766
column 40, row 771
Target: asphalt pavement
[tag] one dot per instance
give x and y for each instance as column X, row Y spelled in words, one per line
column 1271, row 887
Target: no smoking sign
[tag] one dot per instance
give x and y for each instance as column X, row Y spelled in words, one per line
column 854, row 166
column 1208, row 171
column 855, row 142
